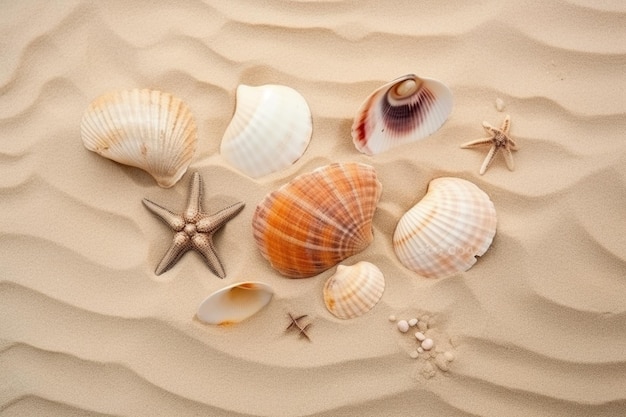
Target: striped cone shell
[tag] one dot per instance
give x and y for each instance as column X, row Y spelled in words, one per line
column 318, row 219
column 147, row 129
column 444, row 232
column 354, row 290
column 404, row 110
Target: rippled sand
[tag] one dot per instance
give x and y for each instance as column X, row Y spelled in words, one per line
column 537, row 326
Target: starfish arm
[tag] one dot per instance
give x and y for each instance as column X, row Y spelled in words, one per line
column 180, row 245
column 477, row 142
column 508, row 158
column 512, row 144
column 506, row 125
column 194, row 204
column 488, row 159
column 210, row 224
column 203, row 244
column 174, row 221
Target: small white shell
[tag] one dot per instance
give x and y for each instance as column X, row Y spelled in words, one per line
column 234, row 303
column 444, row 232
column 147, row 129
column 270, row 130
column 404, row 110
column 354, row 290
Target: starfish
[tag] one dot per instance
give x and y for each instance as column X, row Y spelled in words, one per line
column 296, row 325
column 193, row 229
column 499, row 140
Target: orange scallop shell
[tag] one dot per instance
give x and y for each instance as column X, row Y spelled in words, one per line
column 318, row 219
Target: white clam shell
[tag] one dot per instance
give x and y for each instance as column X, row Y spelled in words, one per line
column 444, row 232
column 354, row 290
column 147, row 129
column 404, row 110
column 270, row 130
column 235, row 303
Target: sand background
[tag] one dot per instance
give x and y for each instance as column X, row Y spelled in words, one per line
column 537, row 326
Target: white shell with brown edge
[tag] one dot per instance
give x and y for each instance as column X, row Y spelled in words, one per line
column 445, row 231
column 147, row 129
column 354, row 290
column 404, row 110
column 234, row 303
column 270, row 130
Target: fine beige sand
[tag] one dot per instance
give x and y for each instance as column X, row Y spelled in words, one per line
column 537, row 327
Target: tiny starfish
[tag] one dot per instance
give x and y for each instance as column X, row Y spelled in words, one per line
column 296, row 325
column 499, row 140
column 193, row 229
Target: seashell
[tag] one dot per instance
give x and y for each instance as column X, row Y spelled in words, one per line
column 354, row 290
column 318, row 219
column 147, row 129
column 404, row 110
column 235, row 303
column 444, row 232
column 270, row 130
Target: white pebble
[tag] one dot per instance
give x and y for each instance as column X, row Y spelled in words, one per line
column 499, row 104
column 420, row 350
column 414, row 354
column 392, row 318
column 420, row 336
column 403, row 326
column 428, row 344
column 412, row 322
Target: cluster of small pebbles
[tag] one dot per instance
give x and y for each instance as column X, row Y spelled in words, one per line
column 433, row 355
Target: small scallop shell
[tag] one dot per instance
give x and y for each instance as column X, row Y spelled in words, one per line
column 235, row 303
column 444, row 232
column 402, row 111
column 318, row 219
column 147, row 129
column 354, row 290
column 270, row 130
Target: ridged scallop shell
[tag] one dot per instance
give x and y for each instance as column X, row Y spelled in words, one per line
column 318, row 219
column 404, row 110
column 444, row 232
column 234, row 303
column 270, row 130
column 354, row 290
column 147, row 129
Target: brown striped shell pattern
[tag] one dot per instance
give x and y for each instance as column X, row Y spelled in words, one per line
column 318, row 219
column 444, row 232
column 404, row 110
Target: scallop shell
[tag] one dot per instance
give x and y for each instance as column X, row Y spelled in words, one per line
column 147, row 129
column 270, row 130
column 444, row 232
column 318, row 219
column 234, row 303
column 354, row 290
column 402, row 111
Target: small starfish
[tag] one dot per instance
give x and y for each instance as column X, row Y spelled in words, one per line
column 499, row 140
column 193, row 229
column 296, row 325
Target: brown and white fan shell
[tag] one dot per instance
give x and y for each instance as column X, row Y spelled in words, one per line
column 270, row 130
column 445, row 231
column 318, row 219
column 354, row 290
column 147, row 129
column 235, row 303
column 404, row 110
